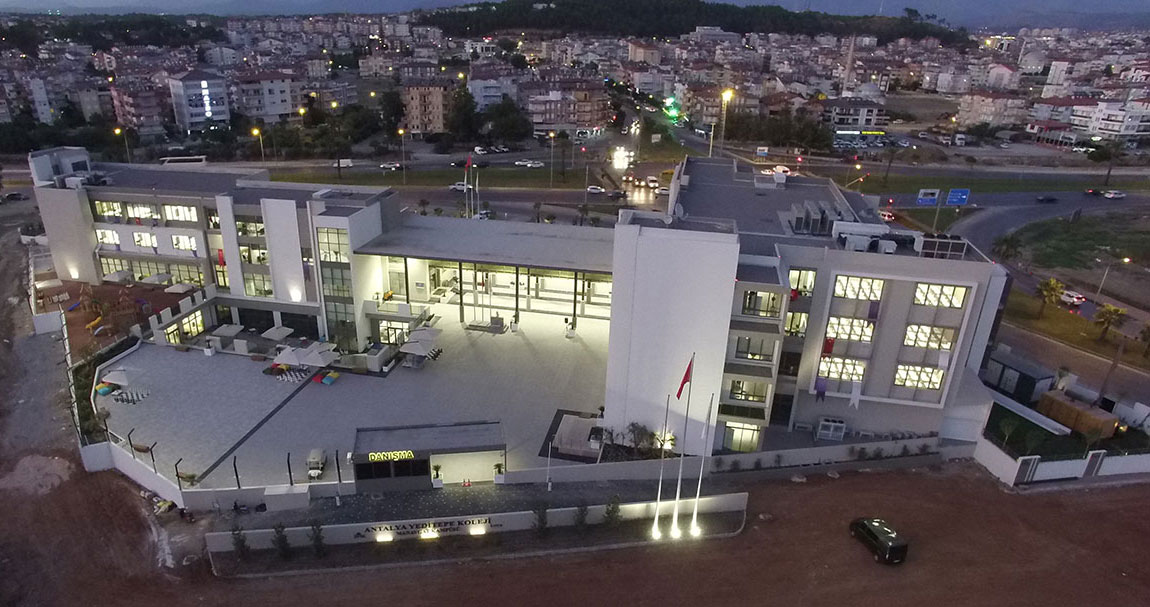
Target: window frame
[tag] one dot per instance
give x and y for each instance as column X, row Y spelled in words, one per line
column 862, row 288
column 929, row 337
column 108, row 208
column 746, row 391
column 190, row 245
column 252, row 289
column 180, row 212
column 940, row 295
column 843, row 369
column 751, row 297
column 850, row 329
column 919, row 377
column 799, row 276
column 333, row 245
column 135, row 210
column 759, row 354
column 114, row 240
column 152, row 241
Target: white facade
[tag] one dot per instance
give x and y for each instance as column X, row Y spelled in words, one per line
column 199, row 97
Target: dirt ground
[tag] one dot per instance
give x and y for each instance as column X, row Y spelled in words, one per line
column 72, row 538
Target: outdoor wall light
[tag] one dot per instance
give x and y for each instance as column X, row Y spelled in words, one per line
column 428, row 534
column 675, row 533
column 73, row 272
column 384, row 537
column 655, row 533
column 295, row 295
column 477, row 530
column 696, row 531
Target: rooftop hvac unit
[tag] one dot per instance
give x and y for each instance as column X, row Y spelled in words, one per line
column 887, row 246
column 855, row 242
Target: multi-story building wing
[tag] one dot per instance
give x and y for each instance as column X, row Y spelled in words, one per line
column 270, row 96
column 199, row 97
column 425, row 103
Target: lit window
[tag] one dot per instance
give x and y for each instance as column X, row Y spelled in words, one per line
column 926, row 336
column 741, row 437
column 803, row 281
column 181, row 242
column 333, row 245
column 110, row 265
column 336, row 282
column 142, row 211
column 751, row 348
column 192, row 324
column 914, row 376
column 796, row 324
column 855, row 287
column 853, row 329
column 187, row 274
column 943, row 296
column 106, row 209
column 762, row 304
column 748, row 390
column 175, row 212
column 144, row 239
column 107, row 237
column 257, row 285
column 850, row 369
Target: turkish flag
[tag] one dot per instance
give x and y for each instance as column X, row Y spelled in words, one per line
column 686, row 377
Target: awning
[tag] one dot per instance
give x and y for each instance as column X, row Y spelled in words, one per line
column 279, row 333
column 157, row 279
column 426, row 334
column 228, row 330
column 119, row 276
column 180, row 288
column 120, row 377
column 418, row 348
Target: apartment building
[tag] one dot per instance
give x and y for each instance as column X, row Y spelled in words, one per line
column 802, row 311
column 565, row 104
column 1113, row 120
column 488, row 83
column 853, row 113
column 991, row 107
column 426, row 102
column 643, row 52
column 199, row 97
column 269, row 96
column 141, row 108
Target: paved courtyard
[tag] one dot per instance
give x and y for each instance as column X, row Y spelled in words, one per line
column 200, row 407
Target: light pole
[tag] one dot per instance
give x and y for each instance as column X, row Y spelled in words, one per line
column 711, row 143
column 402, row 156
column 258, row 133
column 727, row 95
column 119, row 132
column 1107, row 273
column 551, row 136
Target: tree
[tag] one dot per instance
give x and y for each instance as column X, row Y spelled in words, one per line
column 1007, row 426
column 1108, row 317
column 518, row 61
column 508, row 121
column 280, row 541
column 391, row 112
column 1144, row 335
column 1007, row 247
column 639, row 434
column 462, row 119
column 443, row 144
column 423, row 204
column 506, row 45
column 581, row 517
column 584, row 211
column 540, row 522
column 1106, row 153
column 240, row 543
column 611, row 514
column 315, row 536
column 70, row 115
column 1050, row 291
column 1033, row 439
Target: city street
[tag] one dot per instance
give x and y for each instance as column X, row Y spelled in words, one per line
column 1126, row 382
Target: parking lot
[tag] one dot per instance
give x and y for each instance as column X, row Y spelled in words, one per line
column 202, row 408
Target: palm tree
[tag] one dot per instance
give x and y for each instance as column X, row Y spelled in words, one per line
column 1007, row 247
column 1108, row 317
column 1050, row 290
column 1144, row 335
column 1007, row 426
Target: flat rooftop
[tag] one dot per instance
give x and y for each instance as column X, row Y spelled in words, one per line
column 536, row 245
column 208, row 181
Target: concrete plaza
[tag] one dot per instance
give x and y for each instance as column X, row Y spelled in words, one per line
column 205, row 409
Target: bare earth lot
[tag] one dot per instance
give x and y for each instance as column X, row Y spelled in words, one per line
column 70, row 538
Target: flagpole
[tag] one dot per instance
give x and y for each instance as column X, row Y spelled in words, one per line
column 686, row 420
column 655, row 533
column 695, row 531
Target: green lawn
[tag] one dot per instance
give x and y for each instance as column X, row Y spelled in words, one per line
column 1060, row 324
column 667, row 150
column 1060, row 243
column 976, row 181
column 517, row 177
column 923, row 219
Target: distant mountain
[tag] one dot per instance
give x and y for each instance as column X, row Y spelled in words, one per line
column 997, row 14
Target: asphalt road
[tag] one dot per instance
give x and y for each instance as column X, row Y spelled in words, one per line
column 1028, row 200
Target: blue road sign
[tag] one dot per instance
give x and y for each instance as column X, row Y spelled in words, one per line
column 927, row 198
column 958, row 197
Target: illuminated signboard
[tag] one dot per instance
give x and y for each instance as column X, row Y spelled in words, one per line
column 389, row 456
column 207, row 98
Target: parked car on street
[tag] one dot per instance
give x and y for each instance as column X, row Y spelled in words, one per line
column 522, row 162
column 663, row 191
column 1046, row 199
column 460, row 186
column 1093, row 192
column 617, row 195
column 1114, row 194
column 1072, row 298
column 652, row 181
column 594, row 189
column 14, row 196
column 881, row 539
column 534, row 164
column 391, row 166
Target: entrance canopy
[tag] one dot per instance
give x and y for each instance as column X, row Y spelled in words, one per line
column 397, row 443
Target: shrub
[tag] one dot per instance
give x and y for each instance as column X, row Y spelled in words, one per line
column 778, row 460
column 540, row 523
column 923, row 449
column 905, row 451
column 758, row 465
column 611, row 515
column 861, row 454
column 717, row 463
column 735, row 466
column 280, row 541
column 581, row 517
column 240, row 543
column 878, row 454
column 316, row 539
column 499, row 468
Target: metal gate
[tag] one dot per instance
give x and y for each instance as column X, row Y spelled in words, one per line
column 1026, row 467
column 1093, row 463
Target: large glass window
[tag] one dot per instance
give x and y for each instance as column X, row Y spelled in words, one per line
column 752, row 348
column 748, row 390
column 943, row 296
column 853, row 329
column 741, row 437
column 213, row 218
column 756, row 303
column 187, row 274
column 183, row 242
column 341, row 324
column 107, row 208
column 850, row 369
column 172, row 334
column 915, row 376
column 144, row 269
column 221, row 275
column 144, row 239
column 333, row 245
column 107, row 237
column 249, row 226
column 192, row 324
column 179, row 212
column 336, row 281
column 257, row 285
column 111, row 265
column 142, row 211
column 926, row 336
column 254, row 254
column 802, row 281
column 796, row 324
column 856, row 287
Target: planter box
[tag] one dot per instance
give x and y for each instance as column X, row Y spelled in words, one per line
column 437, row 483
column 498, row 479
column 259, row 358
column 181, row 348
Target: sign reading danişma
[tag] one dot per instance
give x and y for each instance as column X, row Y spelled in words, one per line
column 389, row 456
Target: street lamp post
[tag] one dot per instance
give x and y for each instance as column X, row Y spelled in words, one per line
column 727, row 95
column 402, row 156
column 711, row 143
column 258, row 133
column 551, row 135
column 1107, row 273
column 119, row 132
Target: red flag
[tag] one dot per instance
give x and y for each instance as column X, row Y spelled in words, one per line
column 686, row 377
column 468, row 166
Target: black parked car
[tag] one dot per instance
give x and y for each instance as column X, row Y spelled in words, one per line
column 13, row 196
column 1047, row 199
column 617, row 195
column 876, row 534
